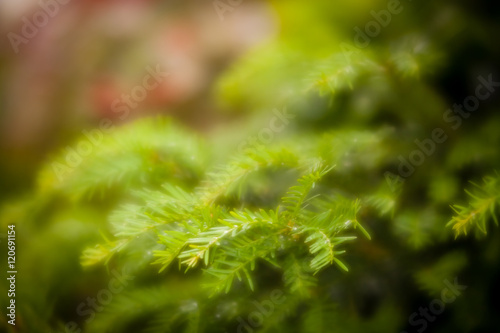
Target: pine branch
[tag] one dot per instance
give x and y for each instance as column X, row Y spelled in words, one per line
column 224, row 180
column 143, row 153
column 296, row 197
column 481, row 208
column 238, row 256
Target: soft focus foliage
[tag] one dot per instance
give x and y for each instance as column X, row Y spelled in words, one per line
column 263, row 168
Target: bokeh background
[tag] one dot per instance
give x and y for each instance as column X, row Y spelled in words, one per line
column 228, row 69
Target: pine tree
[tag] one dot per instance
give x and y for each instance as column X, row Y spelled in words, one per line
column 314, row 230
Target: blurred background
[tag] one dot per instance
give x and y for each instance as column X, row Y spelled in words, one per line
column 223, row 66
column 66, row 77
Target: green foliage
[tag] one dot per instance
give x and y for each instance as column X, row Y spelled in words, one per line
column 152, row 151
column 447, row 267
column 228, row 242
column 481, row 208
column 209, row 229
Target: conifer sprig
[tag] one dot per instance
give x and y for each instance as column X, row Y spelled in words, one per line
column 481, row 208
column 228, row 242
